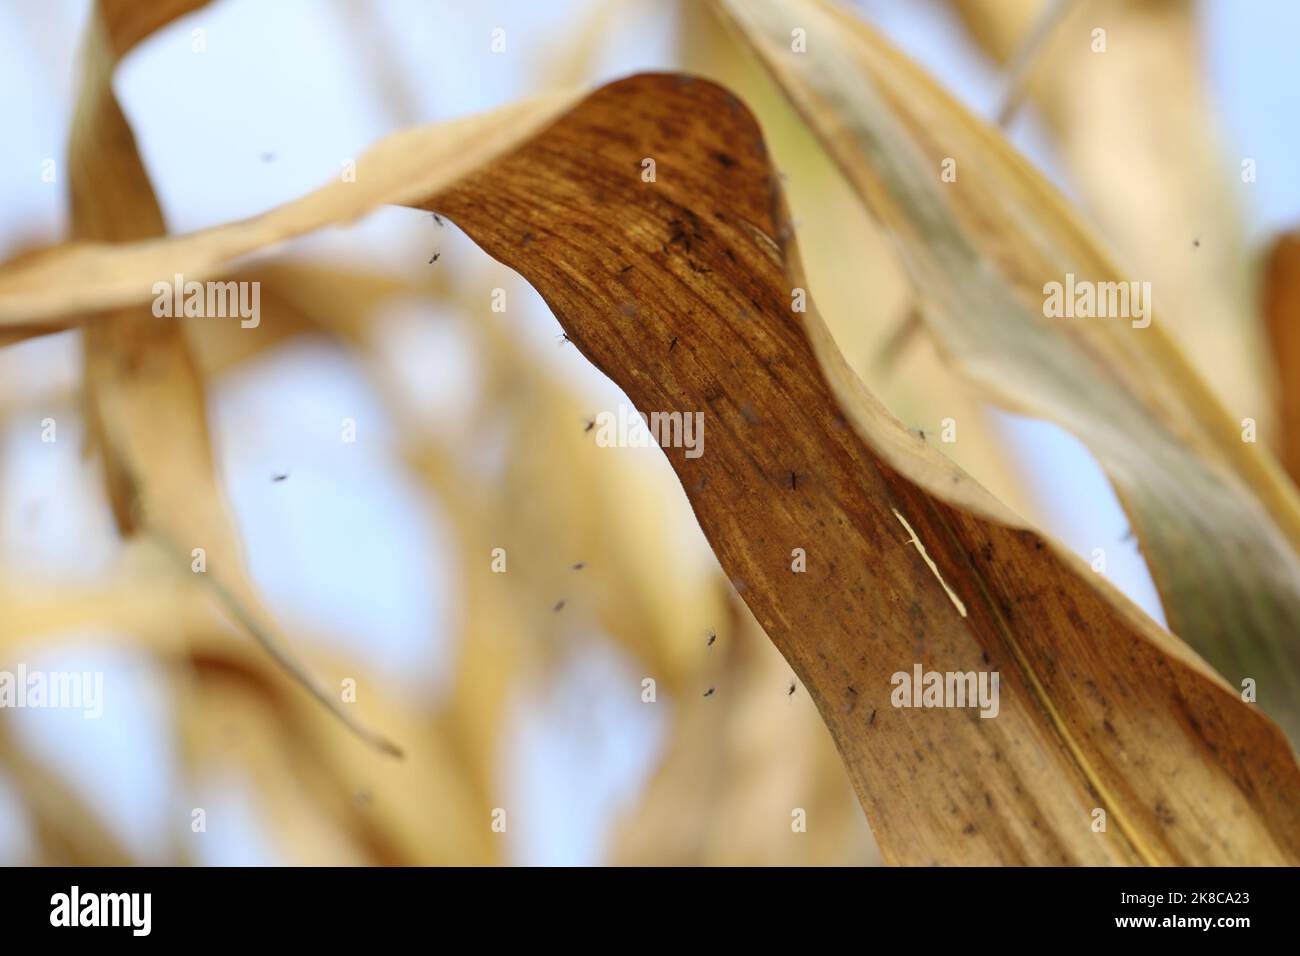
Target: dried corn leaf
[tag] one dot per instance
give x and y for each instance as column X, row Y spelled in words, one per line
column 909, row 561
column 865, row 307
column 1216, row 518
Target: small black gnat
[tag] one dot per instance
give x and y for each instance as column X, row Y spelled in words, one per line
column 790, row 692
column 559, row 606
column 713, row 636
column 709, row 692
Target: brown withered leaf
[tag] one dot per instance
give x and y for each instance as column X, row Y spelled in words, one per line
column 870, row 309
column 1281, row 307
column 1217, row 519
column 909, row 562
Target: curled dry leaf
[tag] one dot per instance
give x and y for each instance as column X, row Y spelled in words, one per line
column 870, row 308
column 1099, row 707
column 1217, row 519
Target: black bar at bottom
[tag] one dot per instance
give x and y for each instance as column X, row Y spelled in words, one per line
column 713, row 907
